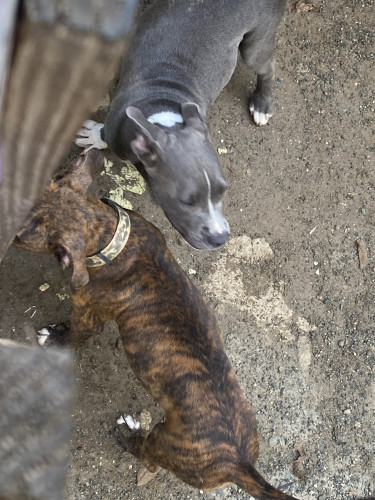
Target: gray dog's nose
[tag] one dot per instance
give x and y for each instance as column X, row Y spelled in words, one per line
column 218, row 239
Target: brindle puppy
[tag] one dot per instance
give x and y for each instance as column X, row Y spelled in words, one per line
column 171, row 338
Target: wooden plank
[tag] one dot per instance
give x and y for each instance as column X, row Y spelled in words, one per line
column 58, row 75
column 8, row 9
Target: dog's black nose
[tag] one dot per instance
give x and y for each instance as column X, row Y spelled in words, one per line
column 217, row 239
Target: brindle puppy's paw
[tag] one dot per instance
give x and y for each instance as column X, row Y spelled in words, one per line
column 52, row 335
column 132, row 427
column 132, row 424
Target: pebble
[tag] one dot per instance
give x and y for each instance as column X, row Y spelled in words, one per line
column 272, row 441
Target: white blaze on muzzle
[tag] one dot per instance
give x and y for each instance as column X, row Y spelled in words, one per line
column 217, row 222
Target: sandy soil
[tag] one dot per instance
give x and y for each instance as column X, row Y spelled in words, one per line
column 296, row 310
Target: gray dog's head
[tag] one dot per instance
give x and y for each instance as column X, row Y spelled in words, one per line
column 185, row 176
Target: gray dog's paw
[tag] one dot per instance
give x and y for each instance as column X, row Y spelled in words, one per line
column 259, row 117
column 260, row 109
column 89, row 136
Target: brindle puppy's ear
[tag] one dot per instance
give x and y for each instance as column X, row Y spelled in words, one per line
column 83, row 170
column 71, row 251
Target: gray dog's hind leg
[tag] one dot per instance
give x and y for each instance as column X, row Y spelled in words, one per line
column 258, row 55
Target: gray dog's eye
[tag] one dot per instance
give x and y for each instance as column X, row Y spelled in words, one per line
column 189, row 202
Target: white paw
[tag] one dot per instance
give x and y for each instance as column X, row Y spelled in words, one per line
column 43, row 335
column 133, row 425
column 88, row 136
column 259, row 118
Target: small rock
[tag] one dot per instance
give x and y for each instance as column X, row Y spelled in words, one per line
column 119, row 344
column 272, row 441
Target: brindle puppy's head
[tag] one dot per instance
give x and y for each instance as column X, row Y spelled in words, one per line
column 56, row 224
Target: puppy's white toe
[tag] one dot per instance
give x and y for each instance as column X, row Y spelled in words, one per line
column 260, row 118
column 89, row 136
column 133, row 424
column 42, row 336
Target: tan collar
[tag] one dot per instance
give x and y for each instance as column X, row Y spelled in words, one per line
column 119, row 240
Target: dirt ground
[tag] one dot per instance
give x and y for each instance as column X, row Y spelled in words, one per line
column 296, row 310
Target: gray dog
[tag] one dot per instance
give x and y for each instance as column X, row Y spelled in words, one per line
column 182, row 55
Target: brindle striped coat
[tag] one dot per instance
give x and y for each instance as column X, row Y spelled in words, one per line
column 171, row 337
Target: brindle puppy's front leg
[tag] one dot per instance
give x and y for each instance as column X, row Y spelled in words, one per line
column 83, row 324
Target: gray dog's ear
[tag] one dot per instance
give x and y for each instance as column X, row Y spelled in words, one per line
column 149, row 141
column 71, row 251
column 192, row 116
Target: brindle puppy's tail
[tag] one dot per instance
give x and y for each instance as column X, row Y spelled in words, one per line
column 252, row 482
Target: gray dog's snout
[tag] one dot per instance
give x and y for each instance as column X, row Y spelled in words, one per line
column 218, row 239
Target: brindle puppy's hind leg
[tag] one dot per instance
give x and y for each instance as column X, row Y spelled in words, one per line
column 133, row 442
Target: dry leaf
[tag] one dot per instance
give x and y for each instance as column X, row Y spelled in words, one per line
column 144, row 475
column 306, row 6
column 362, row 253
